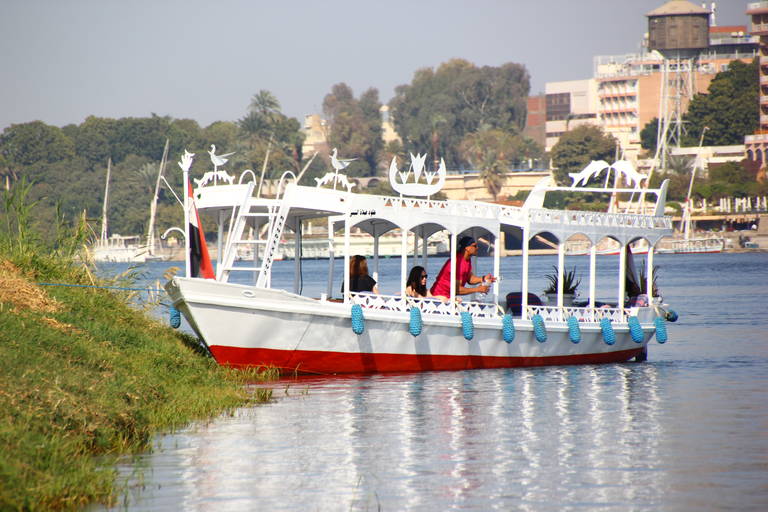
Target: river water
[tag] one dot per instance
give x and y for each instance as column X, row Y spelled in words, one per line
column 686, row 430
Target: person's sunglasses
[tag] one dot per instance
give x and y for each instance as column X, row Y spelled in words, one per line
column 423, row 276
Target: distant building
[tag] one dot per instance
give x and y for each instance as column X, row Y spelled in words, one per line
column 316, row 132
column 569, row 104
column 628, row 87
column 315, row 135
column 535, row 122
column 388, row 133
column 756, row 145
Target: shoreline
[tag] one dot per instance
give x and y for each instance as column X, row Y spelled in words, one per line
column 88, row 378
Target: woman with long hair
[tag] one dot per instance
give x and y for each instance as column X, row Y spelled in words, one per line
column 416, row 285
column 359, row 280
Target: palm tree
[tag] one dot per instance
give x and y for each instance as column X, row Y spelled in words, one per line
column 490, row 151
column 265, row 103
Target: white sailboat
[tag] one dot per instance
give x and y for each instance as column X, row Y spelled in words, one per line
column 118, row 248
column 688, row 244
column 115, row 248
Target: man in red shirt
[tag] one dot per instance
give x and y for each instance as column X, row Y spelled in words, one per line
column 442, row 287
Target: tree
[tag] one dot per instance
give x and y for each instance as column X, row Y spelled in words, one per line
column 440, row 107
column 493, row 151
column 649, row 135
column 33, row 143
column 355, row 127
column 270, row 136
column 578, row 147
column 727, row 109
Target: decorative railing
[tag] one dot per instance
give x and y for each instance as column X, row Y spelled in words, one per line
column 581, row 218
column 584, row 315
column 427, row 306
column 477, row 209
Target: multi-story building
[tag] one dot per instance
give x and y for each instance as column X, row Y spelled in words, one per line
column 628, row 88
column 756, row 145
column 568, row 105
column 535, row 122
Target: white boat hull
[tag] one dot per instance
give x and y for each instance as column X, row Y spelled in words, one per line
column 246, row 326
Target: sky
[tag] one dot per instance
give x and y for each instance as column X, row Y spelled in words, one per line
column 64, row 60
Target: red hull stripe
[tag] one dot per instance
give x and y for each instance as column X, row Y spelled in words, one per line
column 315, row 362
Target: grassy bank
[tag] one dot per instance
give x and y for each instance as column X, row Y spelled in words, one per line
column 85, row 376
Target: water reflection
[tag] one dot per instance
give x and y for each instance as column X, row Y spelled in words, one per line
column 530, row 439
column 685, row 431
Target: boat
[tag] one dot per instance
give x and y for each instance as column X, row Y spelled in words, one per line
column 261, row 325
column 688, row 244
column 117, row 248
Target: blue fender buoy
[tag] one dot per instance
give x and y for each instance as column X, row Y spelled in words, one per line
column 539, row 330
column 358, row 321
column 671, row 316
column 414, row 327
column 635, row 330
column 661, row 329
column 174, row 317
column 574, row 332
column 466, row 325
column 507, row 328
column 609, row 337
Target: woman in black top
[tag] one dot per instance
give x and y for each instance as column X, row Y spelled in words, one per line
column 359, row 280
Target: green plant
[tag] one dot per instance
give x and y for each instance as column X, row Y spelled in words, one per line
column 635, row 289
column 570, row 281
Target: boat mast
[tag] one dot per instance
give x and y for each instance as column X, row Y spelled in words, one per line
column 688, row 207
column 153, row 206
column 104, row 227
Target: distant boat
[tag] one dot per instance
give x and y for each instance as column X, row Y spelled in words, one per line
column 117, row 248
column 120, row 249
column 688, row 245
column 694, row 246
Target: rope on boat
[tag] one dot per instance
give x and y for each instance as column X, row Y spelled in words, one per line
column 358, row 321
column 539, row 330
column 661, row 329
column 609, row 336
column 466, row 325
column 153, row 290
column 635, row 330
column 415, row 324
column 174, row 315
column 574, row 332
column 508, row 328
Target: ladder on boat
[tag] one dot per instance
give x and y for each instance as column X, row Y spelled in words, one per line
column 250, row 209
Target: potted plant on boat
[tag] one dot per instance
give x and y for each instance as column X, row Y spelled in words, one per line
column 570, row 284
column 635, row 291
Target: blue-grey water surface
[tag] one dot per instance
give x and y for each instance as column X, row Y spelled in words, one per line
column 686, row 430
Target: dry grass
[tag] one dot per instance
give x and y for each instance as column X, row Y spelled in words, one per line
column 21, row 293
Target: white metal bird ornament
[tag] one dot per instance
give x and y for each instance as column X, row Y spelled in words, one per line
column 338, row 163
column 218, row 160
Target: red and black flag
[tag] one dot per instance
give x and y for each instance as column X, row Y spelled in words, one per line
column 200, row 261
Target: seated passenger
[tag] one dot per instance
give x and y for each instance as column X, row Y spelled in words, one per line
column 442, row 287
column 416, row 286
column 359, row 280
column 515, row 302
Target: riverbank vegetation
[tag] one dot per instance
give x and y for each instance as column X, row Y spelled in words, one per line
column 85, row 377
